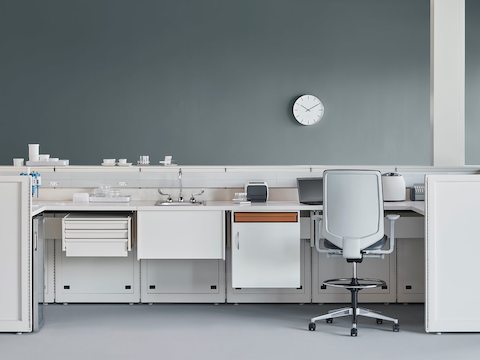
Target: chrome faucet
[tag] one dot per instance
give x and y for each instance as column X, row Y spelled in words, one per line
column 180, row 183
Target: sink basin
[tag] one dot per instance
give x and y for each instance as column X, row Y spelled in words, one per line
column 177, row 203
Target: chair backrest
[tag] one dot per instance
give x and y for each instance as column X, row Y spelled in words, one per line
column 352, row 210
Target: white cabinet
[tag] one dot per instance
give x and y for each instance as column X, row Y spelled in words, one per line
column 96, row 279
column 16, row 254
column 410, row 259
column 265, row 250
column 334, row 267
column 186, row 280
column 181, row 234
column 96, row 235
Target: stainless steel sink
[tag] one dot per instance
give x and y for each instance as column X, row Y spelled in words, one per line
column 178, row 203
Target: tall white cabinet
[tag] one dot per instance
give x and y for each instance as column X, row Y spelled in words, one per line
column 16, row 254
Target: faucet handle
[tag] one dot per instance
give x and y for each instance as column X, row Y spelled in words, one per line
column 192, row 198
column 169, row 199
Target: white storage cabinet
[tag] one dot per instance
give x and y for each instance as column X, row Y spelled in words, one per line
column 181, row 234
column 96, row 260
column 410, row 229
column 184, row 280
column 326, row 267
column 265, row 250
column 92, row 235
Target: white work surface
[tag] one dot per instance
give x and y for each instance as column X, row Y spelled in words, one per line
column 146, row 205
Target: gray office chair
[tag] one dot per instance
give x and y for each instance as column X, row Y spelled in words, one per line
column 352, row 227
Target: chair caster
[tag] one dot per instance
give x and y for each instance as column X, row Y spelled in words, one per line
column 354, row 332
column 379, row 321
column 329, row 321
column 312, row 326
column 396, row 327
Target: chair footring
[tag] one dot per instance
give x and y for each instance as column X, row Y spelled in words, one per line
column 351, row 283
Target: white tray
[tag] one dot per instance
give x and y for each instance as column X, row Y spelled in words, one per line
column 104, row 199
column 48, row 163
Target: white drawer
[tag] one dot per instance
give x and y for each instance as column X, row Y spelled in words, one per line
column 121, row 224
column 96, row 236
column 97, row 247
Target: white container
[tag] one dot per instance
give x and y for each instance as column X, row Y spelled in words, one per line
column 44, row 157
column 33, row 152
column 18, row 162
column 393, row 187
column 81, row 198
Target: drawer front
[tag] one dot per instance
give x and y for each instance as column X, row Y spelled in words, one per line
column 96, row 234
column 97, row 248
column 96, row 237
column 180, row 234
column 92, row 225
column 248, row 217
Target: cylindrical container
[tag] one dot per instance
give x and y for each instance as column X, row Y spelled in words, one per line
column 393, row 187
column 18, row 162
column 33, row 152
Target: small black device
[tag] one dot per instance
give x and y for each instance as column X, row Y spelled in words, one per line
column 257, row 191
column 310, row 190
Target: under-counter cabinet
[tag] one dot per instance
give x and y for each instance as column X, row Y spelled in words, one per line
column 265, row 250
column 185, row 280
column 96, row 260
column 410, row 259
column 326, row 267
column 181, row 234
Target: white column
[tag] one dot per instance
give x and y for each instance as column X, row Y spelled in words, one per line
column 447, row 87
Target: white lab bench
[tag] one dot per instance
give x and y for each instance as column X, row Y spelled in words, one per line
column 205, row 253
column 188, row 257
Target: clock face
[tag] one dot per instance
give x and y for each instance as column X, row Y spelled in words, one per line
column 308, row 110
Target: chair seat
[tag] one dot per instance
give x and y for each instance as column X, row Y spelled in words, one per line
column 377, row 246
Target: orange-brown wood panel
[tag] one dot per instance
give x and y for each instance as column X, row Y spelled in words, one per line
column 266, row 217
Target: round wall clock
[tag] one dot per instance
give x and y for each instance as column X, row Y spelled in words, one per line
column 308, row 110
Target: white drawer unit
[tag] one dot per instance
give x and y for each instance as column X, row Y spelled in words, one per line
column 96, row 235
column 181, row 234
column 266, row 250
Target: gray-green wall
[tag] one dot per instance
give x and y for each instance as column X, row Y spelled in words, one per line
column 472, row 82
column 213, row 81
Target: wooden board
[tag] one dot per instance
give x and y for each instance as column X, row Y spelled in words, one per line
column 266, row 217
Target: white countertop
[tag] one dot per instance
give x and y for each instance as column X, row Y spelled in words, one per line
column 149, row 205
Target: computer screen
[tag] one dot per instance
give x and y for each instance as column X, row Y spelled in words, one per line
column 310, row 190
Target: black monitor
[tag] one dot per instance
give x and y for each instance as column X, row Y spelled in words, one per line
column 310, row 190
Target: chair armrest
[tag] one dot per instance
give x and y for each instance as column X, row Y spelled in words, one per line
column 317, row 239
column 391, row 237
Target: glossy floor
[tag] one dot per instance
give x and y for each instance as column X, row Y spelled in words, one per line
column 245, row 331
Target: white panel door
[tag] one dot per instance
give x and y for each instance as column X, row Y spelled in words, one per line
column 180, row 234
column 453, row 249
column 15, row 254
column 266, row 255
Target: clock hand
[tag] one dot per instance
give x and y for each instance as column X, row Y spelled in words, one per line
column 313, row 107
column 304, row 107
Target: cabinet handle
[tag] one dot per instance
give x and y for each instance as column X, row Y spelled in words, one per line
column 238, row 240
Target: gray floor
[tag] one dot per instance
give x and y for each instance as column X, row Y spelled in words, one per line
column 245, row 331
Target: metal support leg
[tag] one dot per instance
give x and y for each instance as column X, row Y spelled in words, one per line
column 375, row 315
column 334, row 314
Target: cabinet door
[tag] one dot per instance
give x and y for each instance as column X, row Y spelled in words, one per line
column 266, row 255
column 15, row 254
column 183, row 280
column 333, row 267
column 96, row 279
column 180, row 234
